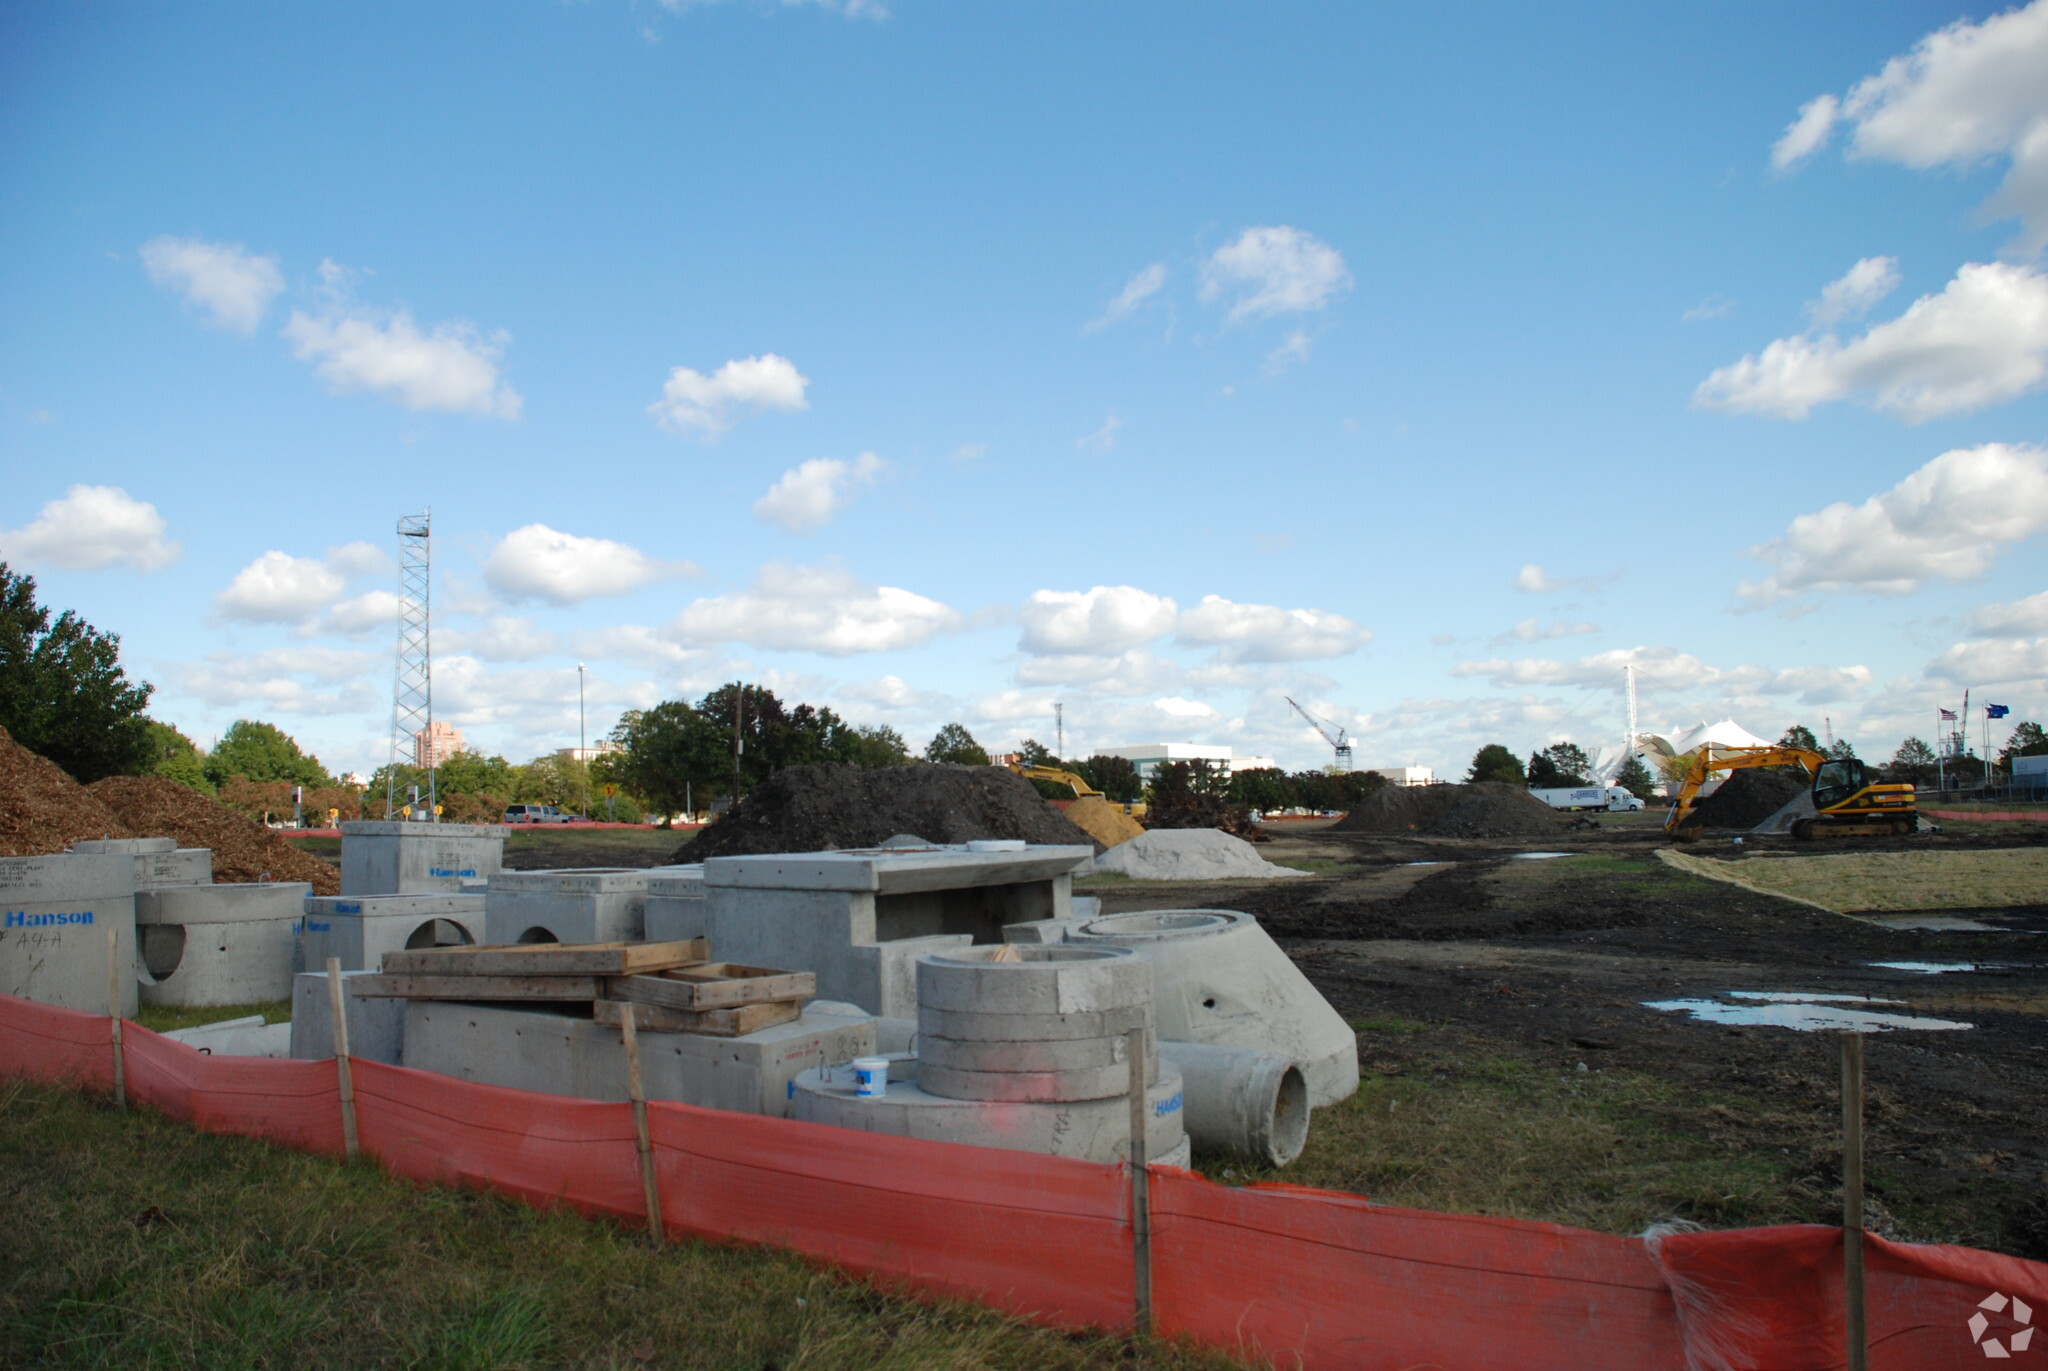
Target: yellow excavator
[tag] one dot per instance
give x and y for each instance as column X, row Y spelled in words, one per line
column 1843, row 801
column 1057, row 776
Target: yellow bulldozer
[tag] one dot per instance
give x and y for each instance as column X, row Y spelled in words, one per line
column 1842, row 802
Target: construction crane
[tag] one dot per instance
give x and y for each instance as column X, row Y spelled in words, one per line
column 1339, row 740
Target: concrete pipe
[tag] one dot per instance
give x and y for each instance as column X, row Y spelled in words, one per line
column 1041, row 980
column 1067, row 1013
column 1242, row 1100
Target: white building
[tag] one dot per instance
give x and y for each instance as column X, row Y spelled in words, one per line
column 605, row 747
column 1149, row 757
column 1405, row 775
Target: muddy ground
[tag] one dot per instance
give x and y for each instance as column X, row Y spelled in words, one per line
column 1551, row 961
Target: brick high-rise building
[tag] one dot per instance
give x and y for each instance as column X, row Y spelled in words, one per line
column 435, row 744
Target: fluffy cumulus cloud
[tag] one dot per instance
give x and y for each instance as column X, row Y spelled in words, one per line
column 499, row 638
column 1982, row 341
column 1858, row 289
column 1672, row 669
column 821, row 609
column 1274, row 270
column 1136, row 292
column 363, row 614
column 452, row 367
column 1268, row 633
column 1102, row 621
column 1536, row 631
column 90, row 528
column 278, row 588
column 1947, row 521
column 541, row 563
column 811, row 495
column 1532, row 579
column 233, row 286
column 298, row 680
column 1965, row 95
column 2012, row 619
column 693, row 403
column 1996, row 662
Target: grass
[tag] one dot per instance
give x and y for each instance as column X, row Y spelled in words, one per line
column 134, row 1242
column 1875, row 881
column 162, row 1018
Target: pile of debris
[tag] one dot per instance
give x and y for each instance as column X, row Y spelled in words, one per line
column 1749, row 797
column 42, row 809
column 1487, row 809
column 243, row 850
column 1190, row 854
column 1106, row 823
column 820, row 808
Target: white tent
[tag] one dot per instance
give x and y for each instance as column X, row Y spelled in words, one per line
column 1726, row 733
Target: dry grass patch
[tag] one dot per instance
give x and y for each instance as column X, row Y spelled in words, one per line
column 1857, row 882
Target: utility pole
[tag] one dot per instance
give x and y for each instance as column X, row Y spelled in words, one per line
column 1059, row 732
column 582, row 746
column 739, row 744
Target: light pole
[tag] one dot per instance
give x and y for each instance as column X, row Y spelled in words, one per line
column 580, row 746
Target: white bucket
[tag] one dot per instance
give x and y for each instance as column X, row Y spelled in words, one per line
column 870, row 1077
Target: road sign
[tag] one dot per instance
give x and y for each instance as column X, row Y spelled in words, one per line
column 610, row 790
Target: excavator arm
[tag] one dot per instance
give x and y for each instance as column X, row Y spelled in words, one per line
column 1708, row 761
column 1057, row 776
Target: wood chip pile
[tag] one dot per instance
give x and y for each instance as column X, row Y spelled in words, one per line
column 243, row 850
column 42, row 809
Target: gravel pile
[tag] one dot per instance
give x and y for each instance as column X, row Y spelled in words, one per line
column 1190, row 854
column 818, row 808
column 42, row 809
column 243, row 850
column 1485, row 810
column 1749, row 797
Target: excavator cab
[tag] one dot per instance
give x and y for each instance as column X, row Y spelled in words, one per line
column 1837, row 781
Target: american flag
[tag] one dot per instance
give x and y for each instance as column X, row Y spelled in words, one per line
column 1948, row 714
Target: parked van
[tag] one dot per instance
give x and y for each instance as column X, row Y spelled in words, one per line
column 537, row 814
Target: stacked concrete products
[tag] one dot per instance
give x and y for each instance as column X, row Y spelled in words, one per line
column 1222, row 982
column 158, row 861
column 219, row 944
column 54, row 915
column 361, row 929
column 376, row 1025
column 861, row 919
column 675, row 903
column 398, row 857
column 574, row 905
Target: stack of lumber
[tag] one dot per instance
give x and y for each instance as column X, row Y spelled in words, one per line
column 670, row 987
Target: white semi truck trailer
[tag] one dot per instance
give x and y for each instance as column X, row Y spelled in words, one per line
column 1612, row 798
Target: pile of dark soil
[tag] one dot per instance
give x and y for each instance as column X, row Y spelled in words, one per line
column 243, row 850
column 1749, row 797
column 817, row 808
column 1485, row 810
column 1206, row 811
column 42, row 809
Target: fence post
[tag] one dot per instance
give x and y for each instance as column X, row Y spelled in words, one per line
column 114, row 1014
column 1141, row 1190
column 629, row 1032
column 1852, row 1201
column 337, row 1005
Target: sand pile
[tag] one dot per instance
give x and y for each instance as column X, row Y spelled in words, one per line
column 1189, row 854
column 42, row 809
column 816, row 808
column 1485, row 810
column 243, row 850
column 1106, row 823
column 1749, row 797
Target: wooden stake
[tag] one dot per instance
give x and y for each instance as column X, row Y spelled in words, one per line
column 636, row 1091
column 1141, row 1190
column 114, row 1013
column 1852, row 1201
column 337, row 1005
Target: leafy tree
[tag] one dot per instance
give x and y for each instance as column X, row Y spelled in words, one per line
column 472, row 773
column 1115, row 777
column 177, row 758
column 1495, row 763
column 1635, row 778
column 1560, row 765
column 953, row 743
column 258, row 751
column 1265, row 789
column 1192, row 794
column 1031, row 752
column 1841, row 747
column 552, row 780
column 1799, row 735
column 876, row 746
column 1914, row 763
column 2028, row 739
column 673, row 757
column 62, row 691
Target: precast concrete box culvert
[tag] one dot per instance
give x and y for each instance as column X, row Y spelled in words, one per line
column 359, row 930
column 1032, row 1024
column 401, row 857
column 218, row 944
column 569, row 905
column 1221, row 981
column 158, row 861
column 54, row 915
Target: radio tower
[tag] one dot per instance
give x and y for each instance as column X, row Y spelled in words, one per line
column 412, row 689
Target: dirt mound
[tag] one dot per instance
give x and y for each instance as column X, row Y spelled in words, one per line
column 1749, row 797
column 243, row 850
column 815, row 808
column 1106, row 823
column 42, row 809
column 1485, row 810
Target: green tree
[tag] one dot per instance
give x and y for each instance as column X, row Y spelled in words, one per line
column 1914, row 763
column 1115, row 777
column 1265, row 789
column 262, row 752
column 1840, row 748
column 1495, row 763
column 1799, row 735
column 472, row 773
column 1031, row 752
column 2027, row 739
column 1560, row 765
column 878, row 745
column 552, row 780
column 177, row 758
column 672, row 757
column 953, row 743
column 1635, row 778
column 62, row 691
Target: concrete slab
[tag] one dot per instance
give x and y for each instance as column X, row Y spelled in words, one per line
column 396, row 857
column 675, row 904
column 376, row 1026
column 54, row 915
column 244, row 1037
column 571, row 905
column 361, row 929
column 218, row 944
column 158, row 861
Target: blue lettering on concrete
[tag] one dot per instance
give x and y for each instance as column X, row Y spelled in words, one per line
column 1165, row 1107
column 347, row 907
column 21, row 918
column 451, row 871
column 312, row 927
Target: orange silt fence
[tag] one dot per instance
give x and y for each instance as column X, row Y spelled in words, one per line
column 1300, row 1277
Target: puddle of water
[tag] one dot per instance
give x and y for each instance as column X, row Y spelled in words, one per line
column 1538, row 856
column 1804, row 1016
column 1933, row 923
column 1927, row 968
column 1424, row 864
column 1804, row 997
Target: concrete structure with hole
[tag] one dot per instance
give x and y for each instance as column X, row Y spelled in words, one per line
column 675, row 904
column 376, row 1025
column 559, row 1051
column 54, row 915
column 218, row 944
column 158, row 861
column 572, row 905
column 861, row 919
column 398, row 857
column 361, row 929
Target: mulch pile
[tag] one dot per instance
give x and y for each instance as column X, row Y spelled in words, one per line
column 42, row 809
column 243, row 850
column 1749, row 797
column 1485, row 810
column 1106, row 823
column 817, row 808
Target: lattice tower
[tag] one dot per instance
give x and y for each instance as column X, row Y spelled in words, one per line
column 412, row 689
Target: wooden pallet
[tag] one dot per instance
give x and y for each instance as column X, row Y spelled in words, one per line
column 714, row 985
column 716, row 1023
column 548, row 959
column 477, row 987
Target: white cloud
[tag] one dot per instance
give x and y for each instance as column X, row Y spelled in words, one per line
column 233, row 285
column 1532, row 579
column 1295, row 349
column 1536, row 631
column 692, row 402
column 1268, row 633
column 363, row 614
column 1851, row 297
column 1104, row 438
column 1275, row 270
column 1999, row 661
column 1102, row 621
column 814, row 609
column 1964, row 95
column 1947, row 521
column 500, row 638
column 1672, row 670
column 90, row 528
column 1713, row 307
column 542, row 563
column 1174, row 707
column 297, row 680
column 968, row 452
column 278, row 588
column 1982, row 341
column 635, row 643
column 1136, row 291
column 2012, row 619
column 453, row 368
column 809, row 496
column 360, row 559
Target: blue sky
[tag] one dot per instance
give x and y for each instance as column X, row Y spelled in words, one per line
column 940, row 361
